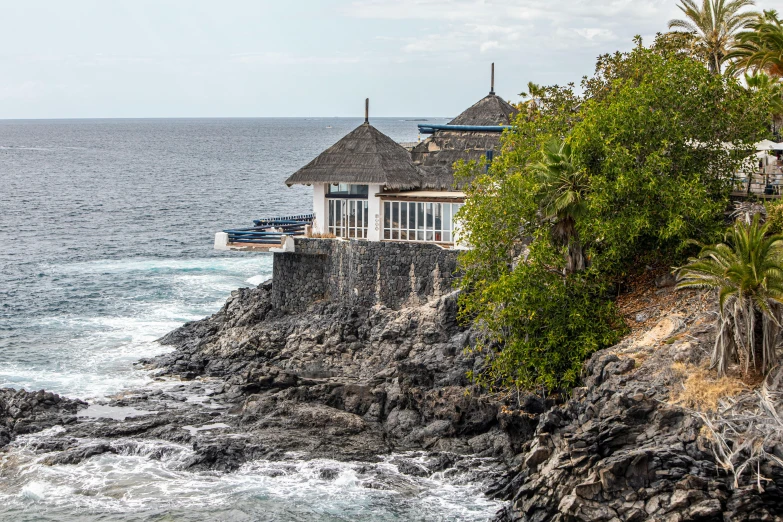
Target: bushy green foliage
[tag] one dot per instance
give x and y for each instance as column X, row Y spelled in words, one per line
column 652, row 143
column 547, row 325
column 649, row 131
column 774, row 216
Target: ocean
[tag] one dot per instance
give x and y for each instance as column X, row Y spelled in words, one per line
column 106, row 233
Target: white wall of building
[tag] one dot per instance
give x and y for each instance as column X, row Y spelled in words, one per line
column 319, row 208
column 374, row 210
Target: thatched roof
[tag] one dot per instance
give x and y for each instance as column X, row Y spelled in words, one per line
column 490, row 110
column 364, row 156
column 437, row 154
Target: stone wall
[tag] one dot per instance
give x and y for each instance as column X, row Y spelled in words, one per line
column 363, row 273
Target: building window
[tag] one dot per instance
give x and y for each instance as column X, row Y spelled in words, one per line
column 348, row 218
column 347, row 190
column 419, row 221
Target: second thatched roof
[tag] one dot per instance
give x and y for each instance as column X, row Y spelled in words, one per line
column 364, row 156
column 489, row 110
column 436, row 155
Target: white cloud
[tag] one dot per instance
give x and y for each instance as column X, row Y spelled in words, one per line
column 596, row 33
column 486, row 46
column 481, row 26
column 285, row 58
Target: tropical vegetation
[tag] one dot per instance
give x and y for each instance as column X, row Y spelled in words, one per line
column 714, row 24
column 745, row 270
column 563, row 185
column 759, row 47
column 593, row 185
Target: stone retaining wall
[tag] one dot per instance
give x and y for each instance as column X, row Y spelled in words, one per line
column 364, row 273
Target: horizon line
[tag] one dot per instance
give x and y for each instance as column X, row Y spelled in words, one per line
column 223, row 118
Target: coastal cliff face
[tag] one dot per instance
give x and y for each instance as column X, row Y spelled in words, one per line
column 624, row 449
column 345, row 382
column 341, row 379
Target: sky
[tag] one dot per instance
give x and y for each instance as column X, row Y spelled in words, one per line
column 297, row 58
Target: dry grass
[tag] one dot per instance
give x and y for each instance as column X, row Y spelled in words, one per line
column 701, row 390
column 641, row 296
column 322, row 235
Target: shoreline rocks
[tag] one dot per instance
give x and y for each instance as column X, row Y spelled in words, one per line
column 360, row 382
column 621, row 449
column 23, row 412
column 353, row 384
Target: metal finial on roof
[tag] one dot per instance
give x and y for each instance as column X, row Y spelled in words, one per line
column 492, row 84
column 367, row 110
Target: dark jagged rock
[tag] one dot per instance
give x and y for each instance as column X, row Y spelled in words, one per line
column 619, row 450
column 78, row 454
column 356, row 383
column 23, row 412
column 347, row 382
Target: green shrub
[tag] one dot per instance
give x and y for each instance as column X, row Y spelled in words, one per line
column 546, row 324
column 649, row 132
column 774, row 216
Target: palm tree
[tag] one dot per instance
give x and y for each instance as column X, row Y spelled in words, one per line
column 746, row 270
column 563, row 187
column 715, row 23
column 773, row 88
column 760, row 47
column 535, row 92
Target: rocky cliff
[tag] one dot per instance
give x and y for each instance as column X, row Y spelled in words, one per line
column 24, row 412
column 346, row 382
column 353, row 383
column 625, row 447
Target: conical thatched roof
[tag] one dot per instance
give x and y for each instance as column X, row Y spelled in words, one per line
column 490, row 110
column 363, row 156
column 437, row 154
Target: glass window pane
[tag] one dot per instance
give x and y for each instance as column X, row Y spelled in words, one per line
column 386, row 215
column 447, row 219
column 403, row 217
column 429, row 216
column 347, row 189
column 338, row 218
column 412, row 216
column 420, row 217
column 396, row 215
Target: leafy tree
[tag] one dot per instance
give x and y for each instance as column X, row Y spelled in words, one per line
column 540, row 325
column 746, row 271
column 647, row 133
column 684, row 45
column 772, row 89
column 715, row 23
column 563, row 185
column 760, row 47
column 652, row 143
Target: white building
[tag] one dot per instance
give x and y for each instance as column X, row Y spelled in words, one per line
column 367, row 186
